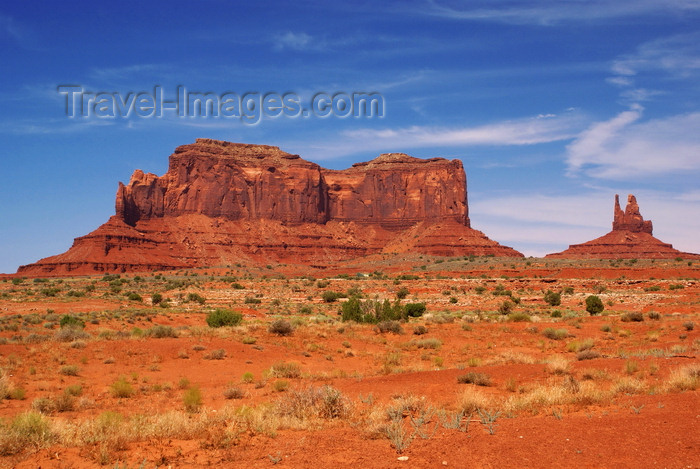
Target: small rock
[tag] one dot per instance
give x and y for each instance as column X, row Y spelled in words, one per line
column 402, row 458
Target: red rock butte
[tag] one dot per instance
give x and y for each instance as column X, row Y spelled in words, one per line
column 221, row 203
column 630, row 238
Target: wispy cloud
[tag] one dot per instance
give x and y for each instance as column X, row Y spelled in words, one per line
column 16, row 30
column 676, row 56
column 550, row 13
column 126, row 72
column 541, row 129
column 624, row 148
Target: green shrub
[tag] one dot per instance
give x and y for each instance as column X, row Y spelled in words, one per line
column 156, row 298
column 133, row 296
column 594, row 305
column 414, row 310
column 331, row 296
column 72, row 321
column 192, row 399
column 402, row 293
column 194, row 297
column 249, row 300
column 552, row 298
column 555, row 334
column 122, row 388
column 519, row 317
column 224, row 317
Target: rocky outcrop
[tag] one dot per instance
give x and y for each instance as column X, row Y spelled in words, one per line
column 221, row 203
column 630, row 238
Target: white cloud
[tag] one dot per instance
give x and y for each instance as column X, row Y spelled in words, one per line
column 554, row 12
column 296, row 41
column 547, row 128
column 623, row 148
column 677, row 56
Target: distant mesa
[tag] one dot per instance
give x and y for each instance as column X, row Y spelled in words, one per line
column 221, row 203
column 630, row 238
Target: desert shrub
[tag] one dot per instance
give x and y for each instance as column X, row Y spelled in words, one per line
column 420, row 330
column 676, row 286
column 555, row 313
column 587, row 355
column 506, row 307
column 316, row 402
column 689, row 325
column 192, row 399
column 285, row 370
column 594, row 305
column 16, row 394
column 195, row 298
column 402, row 293
column 632, row 317
column 133, row 296
column 519, row 317
column 27, row 430
column 473, row 377
column 280, row 385
column 74, row 390
column 555, row 334
column 69, row 334
column 224, row 317
column 248, row 377
column 249, row 300
column 70, row 370
column 331, row 296
column 552, row 298
column 414, row 310
column 72, row 321
column 431, row 343
column 161, row 332
column 234, row 392
column 217, row 354
column 654, row 315
column 500, row 290
column 156, row 298
column 281, row 327
column 568, row 290
column 389, row 326
column 122, row 388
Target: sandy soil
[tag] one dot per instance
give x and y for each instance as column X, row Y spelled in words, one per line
column 610, row 391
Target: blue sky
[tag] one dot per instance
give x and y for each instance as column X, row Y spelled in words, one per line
column 553, row 106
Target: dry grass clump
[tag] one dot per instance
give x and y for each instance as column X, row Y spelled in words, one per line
column 587, row 355
column 323, row 402
column 479, row 379
column 557, row 364
column 511, row 357
column 28, row 430
column 285, row 370
column 473, row 400
column 686, row 378
column 234, row 392
column 628, row 386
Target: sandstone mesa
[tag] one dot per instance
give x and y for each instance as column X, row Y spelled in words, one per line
column 221, row 203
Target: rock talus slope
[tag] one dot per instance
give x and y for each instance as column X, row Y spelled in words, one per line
column 630, row 238
column 222, row 202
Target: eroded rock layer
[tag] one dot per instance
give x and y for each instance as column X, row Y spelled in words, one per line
column 630, row 238
column 222, row 202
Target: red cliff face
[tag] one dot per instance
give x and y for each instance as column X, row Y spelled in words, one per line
column 222, row 202
column 630, row 238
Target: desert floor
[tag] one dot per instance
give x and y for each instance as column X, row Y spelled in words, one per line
column 93, row 373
